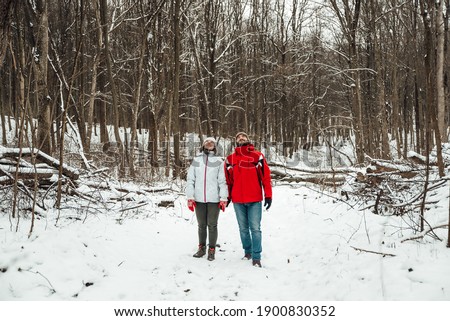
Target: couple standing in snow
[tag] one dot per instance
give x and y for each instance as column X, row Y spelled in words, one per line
column 212, row 184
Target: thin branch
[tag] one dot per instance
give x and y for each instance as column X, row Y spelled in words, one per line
column 422, row 235
column 374, row 252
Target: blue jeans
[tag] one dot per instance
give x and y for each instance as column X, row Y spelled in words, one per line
column 249, row 220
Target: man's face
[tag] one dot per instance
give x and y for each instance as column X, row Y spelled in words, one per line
column 241, row 139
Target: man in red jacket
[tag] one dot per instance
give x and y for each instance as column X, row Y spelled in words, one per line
column 247, row 175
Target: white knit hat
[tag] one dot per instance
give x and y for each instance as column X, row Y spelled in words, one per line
column 210, row 139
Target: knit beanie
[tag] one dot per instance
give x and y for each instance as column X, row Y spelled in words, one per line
column 209, row 139
column 241, row 133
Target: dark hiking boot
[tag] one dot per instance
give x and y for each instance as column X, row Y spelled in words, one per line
column 201, row 251
column 257, row 263
column 211, row 254
column 247, row 256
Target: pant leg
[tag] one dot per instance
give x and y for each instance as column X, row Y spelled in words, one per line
column 242, row 219
column 212, row 220
column 201, row 212
column 254, row 211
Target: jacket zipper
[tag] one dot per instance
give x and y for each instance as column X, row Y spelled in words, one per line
column 204, row 181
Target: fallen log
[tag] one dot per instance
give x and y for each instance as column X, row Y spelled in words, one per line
column 380, row 170
column 310, row 171
column 122, row 189
column 420, row 159
column 9, row 173
column 68, row 171
column 384, row 167
column 29, row 171
column 322, row 179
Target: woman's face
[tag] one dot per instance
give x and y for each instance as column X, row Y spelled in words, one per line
column 209, row 145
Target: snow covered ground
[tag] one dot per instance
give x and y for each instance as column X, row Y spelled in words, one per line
column 311, row 251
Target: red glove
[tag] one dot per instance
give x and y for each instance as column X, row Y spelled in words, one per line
column 222, row 205
column 191, row 205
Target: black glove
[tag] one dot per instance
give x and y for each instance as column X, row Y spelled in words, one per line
column 267, row 203
column 228, row 202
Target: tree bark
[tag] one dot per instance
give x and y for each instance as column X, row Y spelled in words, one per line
column 137, row 93
column 382, row 114
column 40, row 67
column 427, row 15
column 440, row 84
column 176, row 88
column 100, row 109
column 91, row 105
column 349, row 24
column 114, row 91
column 6, row 11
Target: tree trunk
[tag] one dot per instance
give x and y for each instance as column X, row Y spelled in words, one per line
column 80, row 81
column 100, row 111
column 6, row 10
column 382, row 115
column 176, row 89
column 40, row 67
column 137, row 96
column 114, row 91
column 91, row 106
column 430, row 81
column 349, row 24
column 420, row 122
column 3, row 104
column 440, row 84
column 65, row 110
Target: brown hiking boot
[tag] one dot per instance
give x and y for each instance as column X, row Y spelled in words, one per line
column 257, row 263
column 211, row 254
column 247, row 256
column 201, row 251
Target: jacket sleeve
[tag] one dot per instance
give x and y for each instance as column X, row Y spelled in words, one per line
column 228, row 170
column 266, row 179
column 190, row 185
column 223, row 187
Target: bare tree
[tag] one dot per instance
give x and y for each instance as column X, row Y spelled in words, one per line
column 380, row 75
column 114, row 89
column 41, row 69
column 6, row 10
column 440, row 84
column 348, row 15
column 176, row 86
column 428, row 15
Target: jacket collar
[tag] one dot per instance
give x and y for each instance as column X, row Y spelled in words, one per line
column 210, row 154
column 244, row 150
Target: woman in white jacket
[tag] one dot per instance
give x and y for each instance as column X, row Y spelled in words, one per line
column 207, row 194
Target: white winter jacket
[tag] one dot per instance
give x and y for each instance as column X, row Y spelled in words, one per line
column 206, row 179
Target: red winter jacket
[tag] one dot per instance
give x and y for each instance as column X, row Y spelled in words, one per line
column 247, row 173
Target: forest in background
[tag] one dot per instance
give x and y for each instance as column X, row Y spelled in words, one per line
column 368, row 77
column 295, row 72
